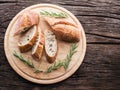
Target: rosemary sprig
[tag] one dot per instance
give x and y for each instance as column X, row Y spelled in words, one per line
column 30, row 64
column 65, row 63
column 20, row 57
column 55, row 66
column 38, row 71
column 54, row 14
column 69, row 56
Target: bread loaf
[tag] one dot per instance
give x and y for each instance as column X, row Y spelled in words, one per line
column 65, row 29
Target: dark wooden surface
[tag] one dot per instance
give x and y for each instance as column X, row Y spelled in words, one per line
column 100, row 69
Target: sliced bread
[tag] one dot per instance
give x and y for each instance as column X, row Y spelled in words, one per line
column 37, row 49
column 28, row 39
column 50, row 46
column 25, row 21
column 64, row 29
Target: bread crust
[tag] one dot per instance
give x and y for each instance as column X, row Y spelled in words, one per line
column 40, row 46
column 25, row 21
column 29, row 45
column 50, row 58
column 64, row 29
column 54, row 21
column 66, row 32
column 38, row 52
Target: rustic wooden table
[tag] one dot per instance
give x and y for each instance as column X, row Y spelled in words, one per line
column 100, row 69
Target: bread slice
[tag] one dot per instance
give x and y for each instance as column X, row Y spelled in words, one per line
column 28, row 39
column 26, row 21
column 37, row 49
column 65, row 29
column 50, row 46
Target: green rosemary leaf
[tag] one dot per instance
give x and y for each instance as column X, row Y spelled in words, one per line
column 56, row 65
column 37, row 71
column 30, row 63
column 66, row 61
column 49, row 69
column 27, row 62
column 69, row 56
column 54, row 14
column 21, row 58
column 65, row 64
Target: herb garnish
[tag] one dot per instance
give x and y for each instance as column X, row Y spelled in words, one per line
column 20, row 57
column 69, row 56
column 66, row 61
column 28, row 62
column 55, row 66
column 54, row 14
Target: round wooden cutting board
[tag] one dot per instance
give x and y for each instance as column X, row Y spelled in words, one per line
column 10, row 45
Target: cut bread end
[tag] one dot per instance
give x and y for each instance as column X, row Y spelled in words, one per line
column 28, row 39
column 50, row 46
column 37, row 51
column 26, row 21
column 38, row 47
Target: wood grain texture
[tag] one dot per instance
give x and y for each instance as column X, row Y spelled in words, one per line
column 100, row 69
column 41, row 78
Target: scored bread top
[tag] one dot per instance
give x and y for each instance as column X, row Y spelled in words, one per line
column 53, row 21
column 64, row 28
column 66, row 32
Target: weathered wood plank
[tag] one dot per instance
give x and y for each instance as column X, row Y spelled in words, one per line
column 103, row 26
column 8, row 1
column 100, row 70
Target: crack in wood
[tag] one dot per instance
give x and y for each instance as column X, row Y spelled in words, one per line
column 67, row 4
column 104, row 16
column 8, row 1
column 4, row 27
column 103, row 36
column 105, row 43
